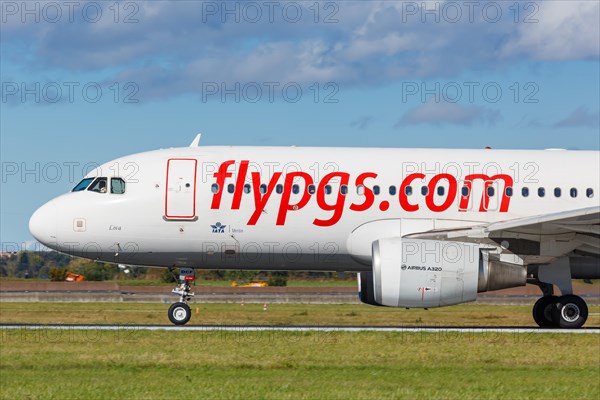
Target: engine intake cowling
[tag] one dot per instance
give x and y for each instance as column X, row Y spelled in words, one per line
column 429, row 273
column 424, row 273
column 365, row 288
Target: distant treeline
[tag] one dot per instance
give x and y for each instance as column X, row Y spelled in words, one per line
column 42, row 264
column 51, row 264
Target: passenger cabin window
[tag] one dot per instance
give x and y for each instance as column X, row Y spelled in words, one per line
column 392, row 190
column 525, row 192
column 541, row 192
column 312, row 189
column 247, row 188
column 328, row 189
column 117, row 185
column 231, row 188
column 98, row 186
column 214, row 188
column 344, row 190
column 376, row 190
column 82, row 185
column 557, row 192
column 508, row 191
column 589, row 193
column 573, row 192
column 424, row 190
column 279, row 188
column 440, row 190
column 408, row 190
column 490, row 191
column 295, row 189
column 464, row 191
column 360, row 190
column 263, row 188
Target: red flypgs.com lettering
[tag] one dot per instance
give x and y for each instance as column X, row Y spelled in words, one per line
column 334, row 201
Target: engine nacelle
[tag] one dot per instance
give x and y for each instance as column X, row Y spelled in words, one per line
column 418, row 273
column 365, row 288
column 496, row 275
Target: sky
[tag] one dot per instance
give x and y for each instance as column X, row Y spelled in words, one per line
column 84, row 82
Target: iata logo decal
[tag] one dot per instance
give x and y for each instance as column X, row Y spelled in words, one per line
column 296, row 190
column 218, row 228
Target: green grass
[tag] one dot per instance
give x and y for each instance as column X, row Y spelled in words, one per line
column 277, row 314
column 77, row 364
column 135, row 364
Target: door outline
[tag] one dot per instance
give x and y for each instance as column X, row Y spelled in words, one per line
column 192, row 217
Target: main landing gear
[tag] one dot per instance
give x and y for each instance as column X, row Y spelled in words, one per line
column 566, row 311
column 180, row 313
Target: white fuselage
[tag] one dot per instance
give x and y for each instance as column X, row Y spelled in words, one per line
column 239, row 207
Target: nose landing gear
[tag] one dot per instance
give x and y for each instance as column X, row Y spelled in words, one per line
column 180, row 313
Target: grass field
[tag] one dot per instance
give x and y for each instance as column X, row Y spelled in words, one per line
column 79, row 364
column 277, row 314
column 135, row 364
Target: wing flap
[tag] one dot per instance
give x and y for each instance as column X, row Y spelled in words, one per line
column 583, row 219
column 566, row 231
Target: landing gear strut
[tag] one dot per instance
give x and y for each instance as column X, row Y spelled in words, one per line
column 180, row 313
column 566, row 311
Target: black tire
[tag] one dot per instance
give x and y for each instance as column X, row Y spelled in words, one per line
column 179, row 313
column 570, row 312
column 542, row 311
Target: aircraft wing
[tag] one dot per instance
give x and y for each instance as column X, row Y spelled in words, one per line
column 573, row 230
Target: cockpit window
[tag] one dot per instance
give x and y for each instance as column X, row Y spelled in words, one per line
column 99, row 185
column 82, row 185
column 117, row 185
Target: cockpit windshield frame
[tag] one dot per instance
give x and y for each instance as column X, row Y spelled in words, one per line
column 117, row 185
column 99, row 185
column 82, row 185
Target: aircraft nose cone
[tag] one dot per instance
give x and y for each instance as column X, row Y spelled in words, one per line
column 42, row 224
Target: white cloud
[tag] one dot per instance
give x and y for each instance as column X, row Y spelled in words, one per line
column 362, row 122
column 443, row 112
column 389, row 45
column 580, row 117
column 565, row 30
column 174, row 46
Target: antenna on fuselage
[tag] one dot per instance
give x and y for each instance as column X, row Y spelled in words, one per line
column 196, row 141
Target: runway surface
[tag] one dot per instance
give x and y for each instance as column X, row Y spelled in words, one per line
column 312, row 328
